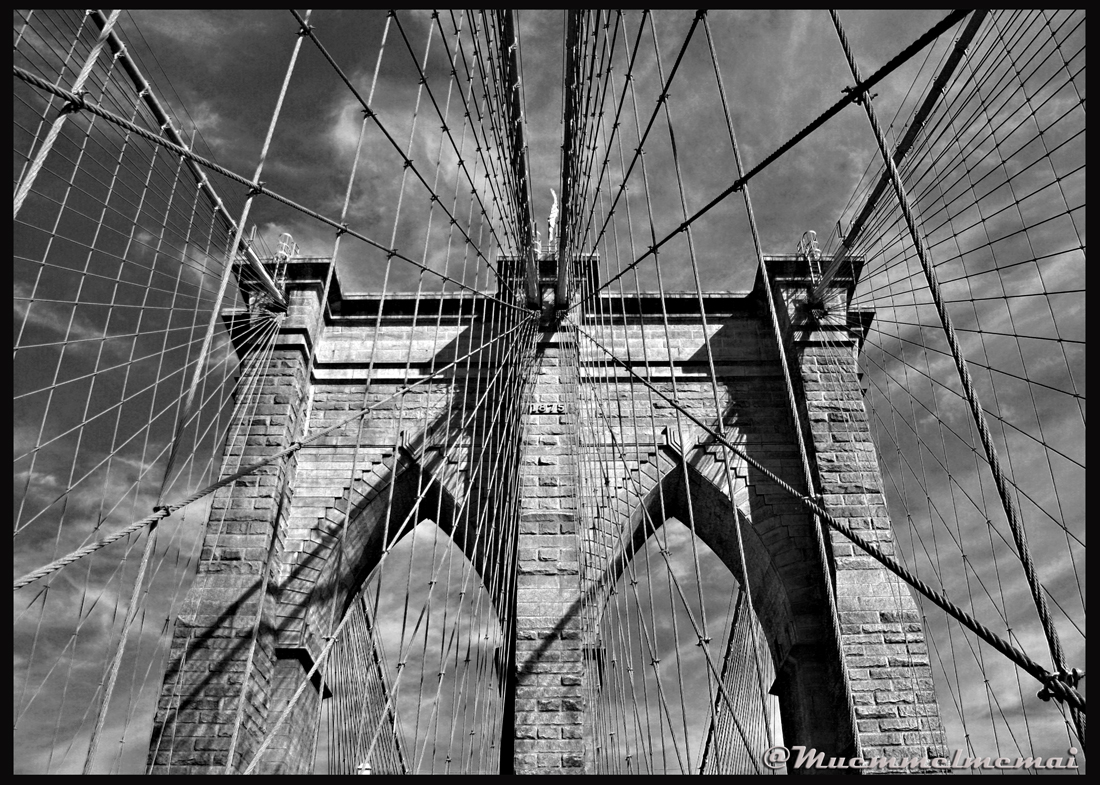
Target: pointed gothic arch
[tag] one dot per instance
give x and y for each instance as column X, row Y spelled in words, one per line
column 384, row 512
column 781, row 570
column 392, row 494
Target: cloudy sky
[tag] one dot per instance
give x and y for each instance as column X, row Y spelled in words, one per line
column 220, row 71
column 781, row 69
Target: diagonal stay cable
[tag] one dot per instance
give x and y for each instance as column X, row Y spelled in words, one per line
column 999, row 478
column 700, row 629
column 446, row 130
column 258, row 187
column 1000, row 418
column 852, row 96
column 1053, row 683
column 307, row 30
column 638, row 152
column 167, row 510
column 967, row 444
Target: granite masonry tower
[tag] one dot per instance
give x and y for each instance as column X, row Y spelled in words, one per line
column 850, row 664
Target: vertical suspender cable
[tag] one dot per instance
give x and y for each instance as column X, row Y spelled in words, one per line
column 111, row 675
column 206, row 347
column 916, row 126
column 1004, row 490
column 116, row 661
column 231, row 251
column 145, row 91
column 184, row 416
column 131, row 611
column 59, row 123
column 807, row 475
column 516, row 136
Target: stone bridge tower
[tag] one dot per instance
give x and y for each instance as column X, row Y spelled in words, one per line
column 287, row 549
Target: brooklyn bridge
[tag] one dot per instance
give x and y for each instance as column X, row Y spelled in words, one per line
column 548, row 392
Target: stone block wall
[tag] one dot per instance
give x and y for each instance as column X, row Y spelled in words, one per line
column 550, row 671
column 280, row 529
column 880, row 626
column 667, row 465
column 217, row 690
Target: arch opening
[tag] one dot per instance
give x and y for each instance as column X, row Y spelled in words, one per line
column 659, row 705
column 416, row 682
column 775, row 557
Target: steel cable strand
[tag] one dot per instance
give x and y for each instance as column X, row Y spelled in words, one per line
column 934, row 557
column 652, row 644
column 620, row 637
column 967, row 567
column 85, row 608
column 941, row 128
column 638, row 155
column 933, row 507
column 897, row 258
column 416, row 310
column 1053, row 682
column 968, row 444
column 151, row 464
column 1022, row 230
column 307, row 31
column 163, row 121
column 483, row 144
column 936, row 89
column 114, row 449
column 450, row 399
column 47, row 144
column 423, row 79
column 165, row 511
column 1016, row 526
column 703, row 637
column 463, row 506
column 114, row 452
column 614, row 135
column 588, row 161
column 993, row 369
column 492, row 94
column 625, row 641
column 1033, row 255
column 150, row 540
column 854, row 96
column 18, row 343
column 796, row 421
column 53, row 232
column 610, row 215
column 881, row 213
column 407, row 593
column 1011, row 318
column 258, row 187
column 700, row 630
column 25, row 56
column 58, row 368
column 707, row 343
column 408, row 362
column 336, row 632
column 319, row 324
column 663, row 550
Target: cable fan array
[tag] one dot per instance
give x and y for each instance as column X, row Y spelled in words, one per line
column 334, row 479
